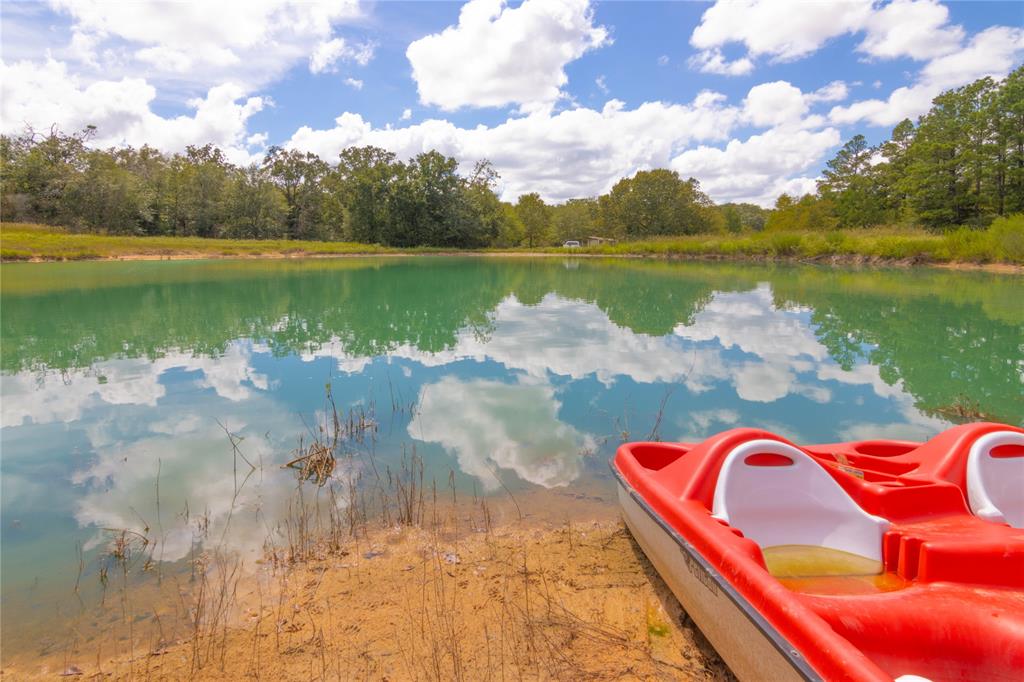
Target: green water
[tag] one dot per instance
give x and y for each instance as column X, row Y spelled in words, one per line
column 512, row 373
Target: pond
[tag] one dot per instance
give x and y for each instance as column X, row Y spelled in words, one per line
column 125, row 385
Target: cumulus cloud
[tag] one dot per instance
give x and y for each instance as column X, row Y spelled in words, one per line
column 498, row 55
column 578, row 152
column 774, row 29
column 918, row 29
column 773, row 104
column 993, row 52
column 915, row 29
column 198, row 45
column 583, row 152
column 42, row 94
column 760, row 168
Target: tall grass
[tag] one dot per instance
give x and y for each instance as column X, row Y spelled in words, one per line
column 1003, row 242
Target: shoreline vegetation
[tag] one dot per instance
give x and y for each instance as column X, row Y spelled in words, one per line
column 999, row 249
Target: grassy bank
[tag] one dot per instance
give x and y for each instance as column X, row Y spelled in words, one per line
column 25, row 241
column 1003, row 243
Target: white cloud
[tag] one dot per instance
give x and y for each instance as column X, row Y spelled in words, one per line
column 354, row 83
column 776, row 29
column 917, row 29
column 579, row 152
column 498, row 55
column 601, row 84
column 785, row 31
column 663, row 60
column 195, row 45
column 406, row 114
column 773, row 104
column 836, row 91
column 713, row 61
column 993, row 52
column 327, row 55
column 761, row 168
column 47, row 93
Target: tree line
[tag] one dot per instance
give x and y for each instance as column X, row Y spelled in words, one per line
column 367, row 195
column 962, row 163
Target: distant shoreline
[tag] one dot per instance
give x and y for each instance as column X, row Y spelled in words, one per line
column 896, row 248
column 836, row 260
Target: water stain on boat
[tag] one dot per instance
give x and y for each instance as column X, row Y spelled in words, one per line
column 820, row 570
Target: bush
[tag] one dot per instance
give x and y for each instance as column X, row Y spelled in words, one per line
column 966, row 244
column 1006, row 238
column 782, row 244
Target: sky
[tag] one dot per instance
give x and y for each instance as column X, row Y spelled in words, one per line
column 564, row 97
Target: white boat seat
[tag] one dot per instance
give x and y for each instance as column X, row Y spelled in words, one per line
column 777, row 495
column 995, row 485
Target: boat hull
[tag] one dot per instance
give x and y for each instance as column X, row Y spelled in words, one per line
column 751, row 648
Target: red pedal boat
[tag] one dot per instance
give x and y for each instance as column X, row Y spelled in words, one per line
column 869, row 560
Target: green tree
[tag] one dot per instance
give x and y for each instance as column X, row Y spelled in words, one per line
column 300, row 176
column 656, row 202
column 808, row 213
column 106, row 196
column 851, row 186
column 576, row 219
column 204, row 174
column 363, row 183
column 535, row 217
column 256, row 205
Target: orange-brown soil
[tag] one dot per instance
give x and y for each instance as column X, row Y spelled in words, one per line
column 528, row 599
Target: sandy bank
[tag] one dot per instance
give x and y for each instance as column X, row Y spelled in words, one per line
column 576, row 600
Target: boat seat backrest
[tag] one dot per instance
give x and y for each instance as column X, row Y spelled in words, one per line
column 995, row 485
column 778, row 495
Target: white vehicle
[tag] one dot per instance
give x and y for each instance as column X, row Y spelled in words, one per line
column 571, row 244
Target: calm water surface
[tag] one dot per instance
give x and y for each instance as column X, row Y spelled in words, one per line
column 517, row 374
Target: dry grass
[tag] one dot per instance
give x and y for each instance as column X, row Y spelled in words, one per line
column 577, row 601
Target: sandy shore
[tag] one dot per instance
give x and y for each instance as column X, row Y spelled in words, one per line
column 547, row 601
column 471, row 592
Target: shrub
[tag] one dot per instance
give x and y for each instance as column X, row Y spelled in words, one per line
column 1006, row 238
column 784, row 244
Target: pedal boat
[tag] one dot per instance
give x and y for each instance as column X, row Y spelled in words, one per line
column 924, row 577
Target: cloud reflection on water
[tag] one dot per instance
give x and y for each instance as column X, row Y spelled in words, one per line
column 742, row 341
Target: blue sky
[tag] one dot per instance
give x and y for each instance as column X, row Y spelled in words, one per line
column 564, row 96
